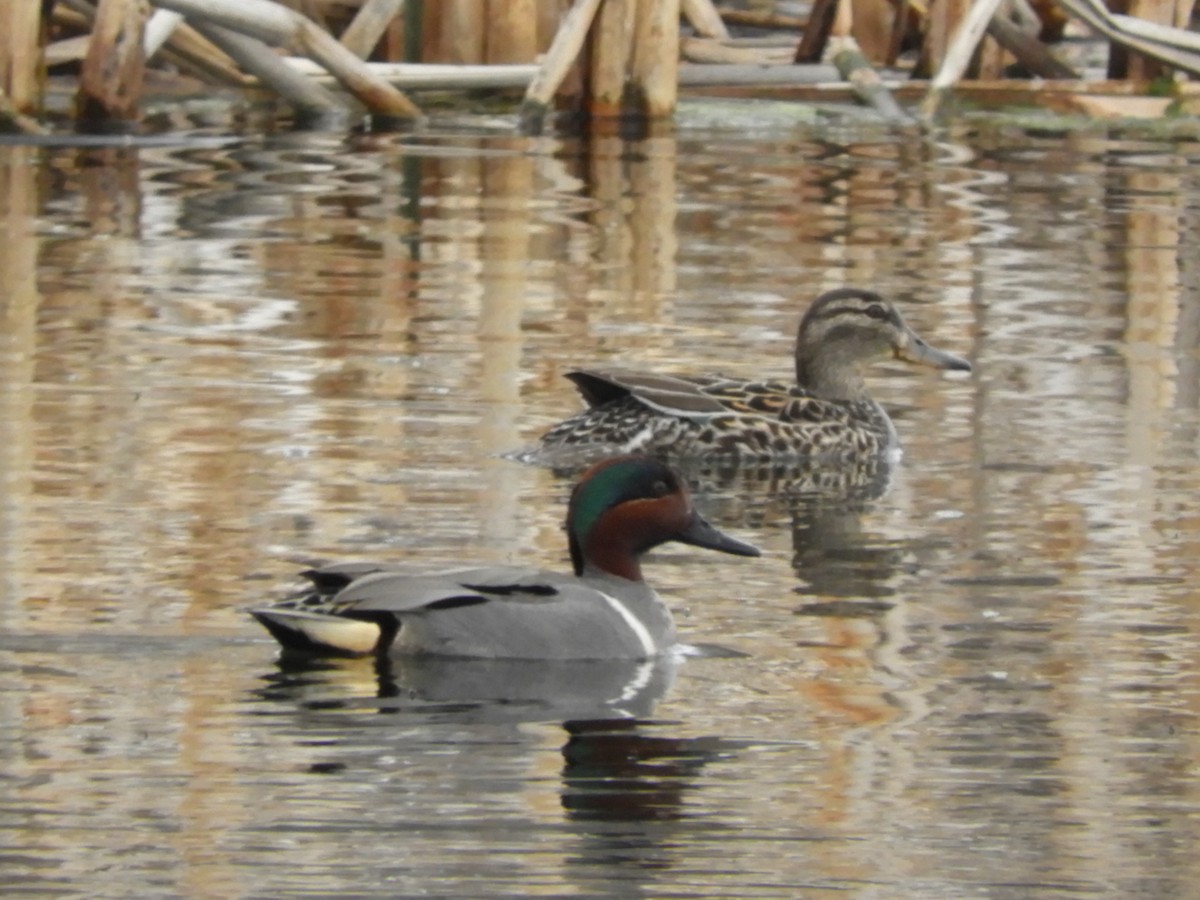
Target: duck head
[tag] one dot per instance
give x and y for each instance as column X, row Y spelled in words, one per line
column 848, row 327
column 625, row 506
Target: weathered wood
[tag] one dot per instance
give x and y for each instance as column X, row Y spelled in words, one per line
column 512, row 35
column 958, row 55
column 1175, row 46
column 943, row 22
column 816, row 35
column 159, row 28
column 20, row 57
column 1028, row 50
column 425, row 76
column 110, row 82
column 703, row 16
column 306, row 97
column 461, row 31
column 709, row 75
column 557, row 60
column 868, row 86
column 275, row 24
column 418, row 76
column 654, row 68
column 704, row 50
column 757, row 19
column 612, row 48
column 12, row 119
column 871, row 28
column 1138, row 66
column 369, row 25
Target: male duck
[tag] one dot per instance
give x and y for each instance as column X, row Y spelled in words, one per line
column 825, row 414
column 620, row 509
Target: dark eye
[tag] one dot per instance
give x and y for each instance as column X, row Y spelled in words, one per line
column 875, row 311
column 660, row 488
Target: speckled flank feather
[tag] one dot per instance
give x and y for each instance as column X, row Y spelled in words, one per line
column 825, row 415
column 804, row 426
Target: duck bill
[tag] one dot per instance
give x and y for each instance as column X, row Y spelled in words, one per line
column 915, row 350
column 699, row 533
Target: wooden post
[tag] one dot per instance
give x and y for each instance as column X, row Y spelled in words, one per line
column 110, row 83
column 21, row 56
column 555, row 64
column 512, row 31
column 369, row 25
column 461, row 28
column 654, row 69
column 278, row 24
column 944, row 19
column 612, row 46
column 1136, row 66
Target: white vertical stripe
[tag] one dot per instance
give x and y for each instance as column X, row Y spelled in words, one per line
column 639, row 630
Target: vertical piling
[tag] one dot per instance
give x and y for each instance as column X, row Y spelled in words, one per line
column 21, row 56
column 110, row 83
column 654, row 68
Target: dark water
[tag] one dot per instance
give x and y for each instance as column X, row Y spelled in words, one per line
column 223, row 359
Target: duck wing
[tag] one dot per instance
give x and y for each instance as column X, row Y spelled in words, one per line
column 689, row 397
column 357, row 608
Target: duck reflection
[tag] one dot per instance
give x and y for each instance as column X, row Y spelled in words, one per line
column 473, row 690
column 823, row 504
column 622, row 771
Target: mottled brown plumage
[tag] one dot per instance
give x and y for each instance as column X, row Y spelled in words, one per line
column 826, row 414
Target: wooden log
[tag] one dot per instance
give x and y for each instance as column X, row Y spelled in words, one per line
column 1028, row 50
column 943, row 21
column 186, row 47
column 512, row 35
column 612, row 48
column 867, row 85
column 428, row 76
column 816, row 35
column 756, row 19
column 159, row 28
column 704, row 50
column 654, row 67
column 958, row 56
column 871, row 27
column 557, row 60
column 432, row 76
column 20, row 57
column 709, row 75
column 272, row 23
column 308, row 99
column 461, row 32
column 1174, row 46
column 703, row 16
column 369, row 25
column 12, row 119
column 110, row 82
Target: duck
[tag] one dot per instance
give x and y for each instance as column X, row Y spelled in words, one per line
column 620, row 508
column 826, row 414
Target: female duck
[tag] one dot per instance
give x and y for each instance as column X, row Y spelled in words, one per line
column 620, row 509
column 825, row 414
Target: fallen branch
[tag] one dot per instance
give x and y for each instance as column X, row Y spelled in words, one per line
column 845, row 54
column 275, row 24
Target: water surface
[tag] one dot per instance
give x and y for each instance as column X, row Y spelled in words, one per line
column 227, row 358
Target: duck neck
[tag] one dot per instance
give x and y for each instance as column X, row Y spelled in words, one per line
column 611, row 558
column 829, row 372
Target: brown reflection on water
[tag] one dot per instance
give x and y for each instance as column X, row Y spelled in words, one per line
column 975, row 677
